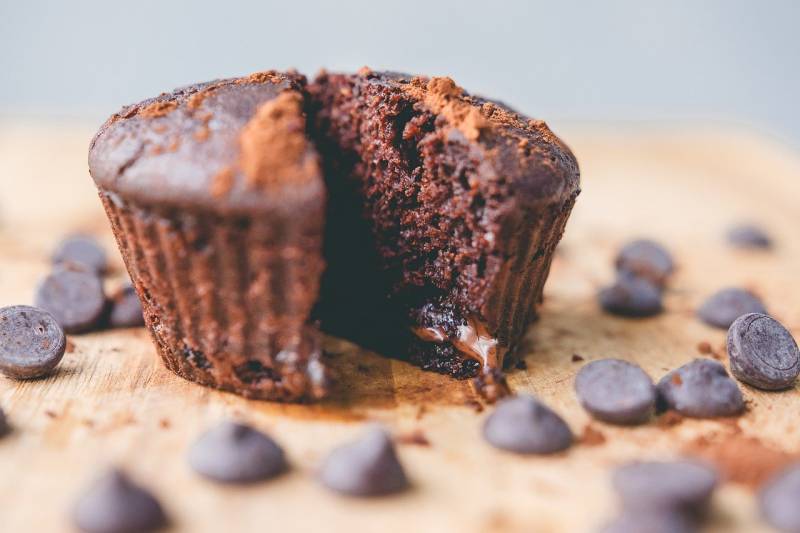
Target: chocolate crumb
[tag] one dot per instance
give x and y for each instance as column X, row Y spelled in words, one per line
column 592, row 436
column 50, row 414
column 416, row 438
column 704, row 347
column 577, row 358
column 669, row 419
column 474, row 405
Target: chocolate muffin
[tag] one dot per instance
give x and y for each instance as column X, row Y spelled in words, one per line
column 217, row 201
column 436, row 213
column 444, row 213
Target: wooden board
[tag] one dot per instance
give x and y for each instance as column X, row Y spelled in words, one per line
column 112, row 402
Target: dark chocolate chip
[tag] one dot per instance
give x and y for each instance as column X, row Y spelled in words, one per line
column 115, row 504
column 762, row 352
column 236, row 453
column 366, row 467
column 74, row 296
column 701, row 389
column 126, row 309
column 645, row 259
column 523, row 424
column 725, row 306
column 616, row 391
column 631, row 297
column 778, row 499
column 31, row 342
column 681, row 486
column 749, row 236
column 650, row 522
column 81, row 250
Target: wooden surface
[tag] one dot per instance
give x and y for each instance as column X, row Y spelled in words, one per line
column 112, row 402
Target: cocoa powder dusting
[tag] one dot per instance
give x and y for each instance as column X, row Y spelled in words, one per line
column 268, row 76
column 273, row 141
column 445, row 98
column 741, row 458
column 222, row 182
column 158, row 109
column 202, row 133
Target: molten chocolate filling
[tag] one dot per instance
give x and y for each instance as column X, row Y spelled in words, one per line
column 474, row 341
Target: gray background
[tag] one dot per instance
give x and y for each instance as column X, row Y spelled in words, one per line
column 734, row 62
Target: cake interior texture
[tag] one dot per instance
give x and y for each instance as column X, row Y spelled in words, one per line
column 434, row 252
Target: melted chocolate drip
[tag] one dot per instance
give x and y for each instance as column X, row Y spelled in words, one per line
column 474, row 341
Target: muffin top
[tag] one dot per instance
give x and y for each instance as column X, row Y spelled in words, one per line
column 237, row 144
column 514, row 148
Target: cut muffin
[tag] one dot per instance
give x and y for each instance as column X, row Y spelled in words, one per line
column 436, row 212
column 444, row 213
column 217, row 202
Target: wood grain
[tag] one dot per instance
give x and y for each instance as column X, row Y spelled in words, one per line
column 111, row 401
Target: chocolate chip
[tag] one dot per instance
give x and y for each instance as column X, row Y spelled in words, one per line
column 762, row 352
column 631, row 297
column 31, row 342
column 366, row 467
column 236, row 453
column 74, row 296
column 616, row 391
column 645, row 259
column 681, row 486
column 115, row 504
column 81, row 250
column 749, row 236
column 725, row 306
column 650, row 522
column 701, row 389
column 778, row 499
column 523, row 424
column 126, row 309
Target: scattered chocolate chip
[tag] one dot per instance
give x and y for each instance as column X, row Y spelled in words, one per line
column 645, row 259
column 74, row 296
column 778, row 499
column 81, row 250
column 616, row 391
column 115, row 504
column 576, row 358
column 749, row 236
column 126, row 309
column 701, row 389
column 725, row 306
column 366, row 467
column 650, row 522
column 236, row 453
column 31, row 342
column 762, row 352
column 630, row 296
column 523, row 424
column 681, row 486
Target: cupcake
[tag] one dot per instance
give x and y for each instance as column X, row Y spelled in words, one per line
column 436, row 212
column 217, row 202
column 445, row 210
